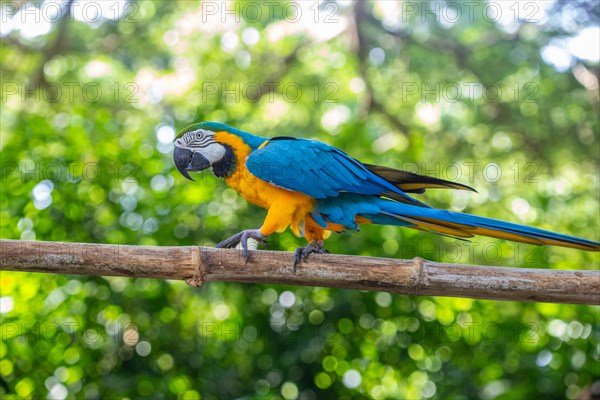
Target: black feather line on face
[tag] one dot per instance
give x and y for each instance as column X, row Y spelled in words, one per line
column 201, row 143
column 226, row 165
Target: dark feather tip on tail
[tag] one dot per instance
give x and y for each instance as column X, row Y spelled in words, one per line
column 414, row 183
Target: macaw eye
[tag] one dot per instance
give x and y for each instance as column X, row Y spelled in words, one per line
column 198, row 135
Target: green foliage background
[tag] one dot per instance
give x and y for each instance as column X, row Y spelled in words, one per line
column 96, row 167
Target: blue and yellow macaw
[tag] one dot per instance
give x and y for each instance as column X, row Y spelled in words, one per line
column 316, row 189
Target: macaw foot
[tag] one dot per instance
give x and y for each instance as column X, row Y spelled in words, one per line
column 302, row 253
column 242, row 238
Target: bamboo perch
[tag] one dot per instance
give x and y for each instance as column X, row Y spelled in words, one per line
column 416, row 277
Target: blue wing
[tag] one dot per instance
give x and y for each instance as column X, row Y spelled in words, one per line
column 317, row 170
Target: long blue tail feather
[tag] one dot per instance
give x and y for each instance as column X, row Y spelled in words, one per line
column 467, row 225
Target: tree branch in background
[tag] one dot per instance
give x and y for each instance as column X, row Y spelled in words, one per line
column 370, row 103
column 589, row 80
column 57, row 46
column 267, row 87
column 461, row 55
column 196, row 265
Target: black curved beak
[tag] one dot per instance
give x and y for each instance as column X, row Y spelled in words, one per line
column 186, row 160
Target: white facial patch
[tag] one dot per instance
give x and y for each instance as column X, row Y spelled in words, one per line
column 214, row 152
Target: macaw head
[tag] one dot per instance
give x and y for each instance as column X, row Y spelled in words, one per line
column 196, row 149
column 210, row 144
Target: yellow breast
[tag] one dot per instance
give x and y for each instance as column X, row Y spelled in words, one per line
column 285, row 207
column 250, row 187
column 253, row 189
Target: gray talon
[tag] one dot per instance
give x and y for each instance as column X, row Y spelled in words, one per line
column 242, row 238
column 302, row 253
